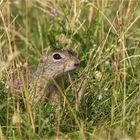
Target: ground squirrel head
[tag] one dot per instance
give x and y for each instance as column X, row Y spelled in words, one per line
column 58, row 62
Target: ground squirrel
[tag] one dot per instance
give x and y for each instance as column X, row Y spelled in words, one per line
column 51, row 66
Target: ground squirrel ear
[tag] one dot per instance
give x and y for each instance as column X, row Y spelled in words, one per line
column 43, row 59
column 70, row 51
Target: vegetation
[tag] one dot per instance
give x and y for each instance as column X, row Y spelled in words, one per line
column 101, row 100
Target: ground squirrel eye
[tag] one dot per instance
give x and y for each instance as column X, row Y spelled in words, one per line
column 57, row 56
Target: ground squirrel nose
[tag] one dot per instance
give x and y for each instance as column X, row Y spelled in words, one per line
column 77, row 63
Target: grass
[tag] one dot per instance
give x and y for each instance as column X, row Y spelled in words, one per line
column 101, row 100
